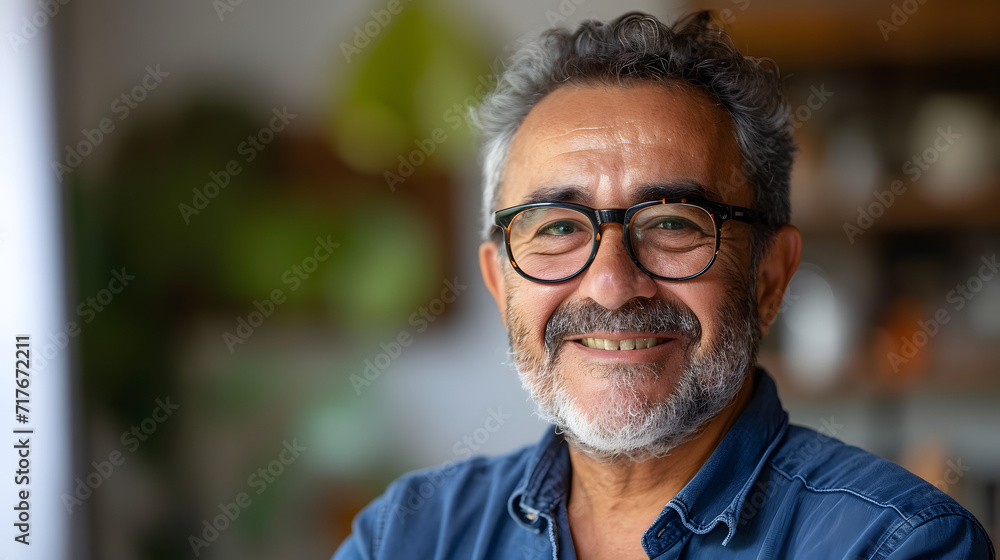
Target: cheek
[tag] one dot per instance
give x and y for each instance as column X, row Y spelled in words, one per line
column 704, row 297
column 725, row 282
column 732, row 265
column 530, row 306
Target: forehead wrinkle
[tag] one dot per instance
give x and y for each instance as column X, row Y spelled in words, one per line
column 618, row 130
column 610, row 144
column 616, row 171
column 615, row 154
column 603, row 143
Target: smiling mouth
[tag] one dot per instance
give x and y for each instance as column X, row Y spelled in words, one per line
column 627, row 344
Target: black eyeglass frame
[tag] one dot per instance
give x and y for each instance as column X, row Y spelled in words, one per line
column 720, row 213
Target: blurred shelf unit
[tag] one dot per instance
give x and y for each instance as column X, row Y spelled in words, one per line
column 808, row 35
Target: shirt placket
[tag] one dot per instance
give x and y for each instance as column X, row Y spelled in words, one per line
column 666, row 537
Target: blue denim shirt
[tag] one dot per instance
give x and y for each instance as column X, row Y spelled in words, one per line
column 769, row 490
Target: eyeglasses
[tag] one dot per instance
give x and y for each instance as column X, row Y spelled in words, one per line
column 669, row 239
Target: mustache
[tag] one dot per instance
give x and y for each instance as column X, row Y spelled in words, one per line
column 637, row 314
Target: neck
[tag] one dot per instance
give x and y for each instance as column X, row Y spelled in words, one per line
column 637, row 491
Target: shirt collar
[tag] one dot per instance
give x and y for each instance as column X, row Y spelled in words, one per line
column 715, row 494
column 544, row 484
column 719, row 489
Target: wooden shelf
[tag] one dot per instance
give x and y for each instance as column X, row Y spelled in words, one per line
column 809, row 35
column 912, row 212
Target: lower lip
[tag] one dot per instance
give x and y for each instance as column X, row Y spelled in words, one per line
column 643, row 355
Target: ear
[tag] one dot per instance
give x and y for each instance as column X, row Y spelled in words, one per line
column 775, row 271
column 489, row 265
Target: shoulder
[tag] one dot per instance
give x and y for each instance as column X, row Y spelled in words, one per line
column 870, row 494
column 469, row 495
column 823, row 464
column 471, row 480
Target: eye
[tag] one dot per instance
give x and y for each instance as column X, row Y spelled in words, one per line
column 672, row 223
column 558, row 228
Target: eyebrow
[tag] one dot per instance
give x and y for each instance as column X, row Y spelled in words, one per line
column 558, row 193
column 574, row 193
column 676, row 189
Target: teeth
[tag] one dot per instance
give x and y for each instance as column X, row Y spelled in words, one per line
column 628, row 344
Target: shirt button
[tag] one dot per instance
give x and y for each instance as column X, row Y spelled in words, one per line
column 532, row 516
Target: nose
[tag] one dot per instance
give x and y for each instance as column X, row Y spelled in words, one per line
column 613, row 279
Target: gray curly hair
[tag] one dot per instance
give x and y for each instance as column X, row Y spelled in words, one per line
column 638, row 47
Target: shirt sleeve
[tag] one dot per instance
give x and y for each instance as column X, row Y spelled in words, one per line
column 948, row 537
column 366, row 532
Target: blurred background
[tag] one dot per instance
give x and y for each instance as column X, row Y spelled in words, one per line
column 270, row 215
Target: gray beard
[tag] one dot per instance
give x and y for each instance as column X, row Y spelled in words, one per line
column 626, row 424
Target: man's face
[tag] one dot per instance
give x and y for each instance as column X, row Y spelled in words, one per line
column 603, row 146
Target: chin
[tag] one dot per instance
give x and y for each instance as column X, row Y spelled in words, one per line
column 622, row 412
column 617, row 416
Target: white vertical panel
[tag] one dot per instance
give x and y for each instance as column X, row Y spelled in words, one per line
column 31, row 290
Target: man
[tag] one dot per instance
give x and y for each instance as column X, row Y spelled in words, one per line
column 635, row 280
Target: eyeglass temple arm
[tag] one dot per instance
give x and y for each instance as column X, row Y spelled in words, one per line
column 741, row 214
